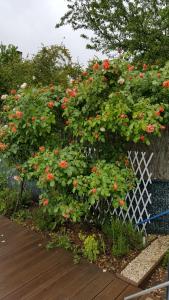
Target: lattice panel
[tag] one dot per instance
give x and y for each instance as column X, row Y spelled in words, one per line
column 138, row 199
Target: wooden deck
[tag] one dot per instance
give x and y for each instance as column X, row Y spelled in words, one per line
column 29, row 271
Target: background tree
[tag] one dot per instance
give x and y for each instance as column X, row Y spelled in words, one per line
column 140, row 27
column 54, row 65
column 50, row 65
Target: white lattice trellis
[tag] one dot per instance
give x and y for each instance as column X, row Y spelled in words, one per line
column 138, row 199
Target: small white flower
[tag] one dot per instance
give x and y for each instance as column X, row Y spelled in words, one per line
column 17, row 178
column 23, row 85
column 121, row 80
column 33, row 77
column 5, row 126
column 3, row 97
column 102, row 129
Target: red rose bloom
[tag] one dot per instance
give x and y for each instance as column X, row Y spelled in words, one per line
column 41, row 148
column 144, row 67
column 84, row 73
column 13, row 129
column 94, row 169
column 150, row 128
column 123, row 116
column 130, row 68
column 106, row 64
column 45, row 202
column 65, row 100
column 51, row 104
column 166, row 84
column 142, row 138
column 63, row 106
column 13, row 92
column 95, row 66
column 121, row 202
column 141, row 75
column 50, row 176
column 71, row 93
column 94, row 191
column 63, row 164
column 19, row 114
column 157, row 113
column 161, row 109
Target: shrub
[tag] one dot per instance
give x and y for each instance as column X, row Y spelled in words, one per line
column 10, row 201
column 60, row 240
column 123, row 236
column 90, row 247
column 73, row 142
column 21, row 215
column 43, row 221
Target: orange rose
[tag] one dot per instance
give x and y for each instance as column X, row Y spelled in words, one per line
column 106, row 64
column 50, row 177
column 150, row 128
column 51, row 104
column 41, row 148
column 19, row 114
column 63, row 164
column 45, row 202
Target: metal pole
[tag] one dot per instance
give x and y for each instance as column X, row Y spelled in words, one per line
column 167, row 294
column 144, row 292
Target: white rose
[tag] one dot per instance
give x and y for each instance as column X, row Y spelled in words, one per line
column 23, row 85
column 3, row 97
column 121, row 81
column 102, row 129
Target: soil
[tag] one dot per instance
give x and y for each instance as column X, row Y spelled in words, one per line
column 158, row 276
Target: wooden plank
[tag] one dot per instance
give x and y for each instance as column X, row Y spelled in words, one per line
column 94, row 287
column 129, row 290
column 69, row 284
column 116, row 287
column 30, row 272
column 16, row 274
column 42, row 281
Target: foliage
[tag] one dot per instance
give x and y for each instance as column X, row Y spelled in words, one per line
column 123, row 236
column 165, row 260
column 53, row 65
column 90, row 247
column 50, row 65
column 42, row 220
column 8, row 201
column 73, row 142
column 140, row 27
column 60, row 241
column 21, row 215
column 13, row 69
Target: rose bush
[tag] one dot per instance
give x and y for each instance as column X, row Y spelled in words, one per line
column 72, row 142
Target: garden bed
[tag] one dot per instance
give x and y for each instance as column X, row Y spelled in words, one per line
column 71, row 237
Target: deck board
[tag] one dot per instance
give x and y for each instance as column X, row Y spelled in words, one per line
column 29, row 272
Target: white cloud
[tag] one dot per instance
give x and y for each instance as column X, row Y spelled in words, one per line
column 28, row 24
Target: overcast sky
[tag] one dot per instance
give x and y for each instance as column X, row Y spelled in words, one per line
column 29, row 23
